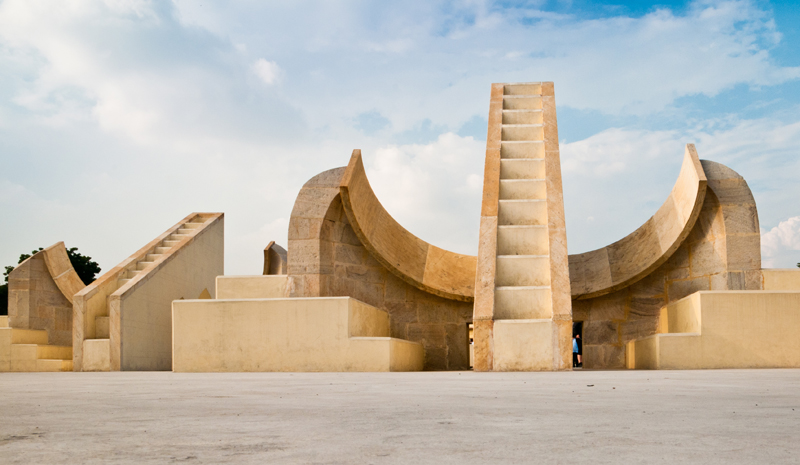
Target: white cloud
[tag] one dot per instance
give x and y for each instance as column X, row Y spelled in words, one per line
column 267, row 71
column 779, row 243
column 433, row 190
column 139, row 112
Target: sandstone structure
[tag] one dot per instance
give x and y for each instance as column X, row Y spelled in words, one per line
column 37, row 333
column 123, row 320
column 355, row 291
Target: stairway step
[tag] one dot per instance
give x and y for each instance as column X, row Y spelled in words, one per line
column 522, row 132
column 523, row 240
column 193, row 225
column 101, row 325
column 522, row 102
column 525, row 302
column 28, row 336
column 526, row 88
column 522, row 117
column 54, row 352
column 522, row 270
column 522, row 212
column 151, row 257
column 131, row 273
column 50, row 365
column 522, row 168
column 185, row 231
column 142, row 265
column 162, row 250
column 529, row 149
column 123, row 281
column 169, row 244
column 523, row 189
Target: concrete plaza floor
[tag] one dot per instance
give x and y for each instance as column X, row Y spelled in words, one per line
column 719, row 416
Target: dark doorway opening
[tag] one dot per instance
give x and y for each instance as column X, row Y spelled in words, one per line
column 577, row 344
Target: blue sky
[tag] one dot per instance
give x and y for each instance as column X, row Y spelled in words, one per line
column 118, row 118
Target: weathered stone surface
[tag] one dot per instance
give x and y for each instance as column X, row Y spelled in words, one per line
column 600, row 332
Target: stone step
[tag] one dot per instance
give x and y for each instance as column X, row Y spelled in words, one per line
column 522, row 102
column 142, row 265
column 522, row 132
column 526, row 150
column 525, row 88
column 53, row 365
column 26, row 336
column 96, row 355
column 523, row 302
column 522, row 168
column 40, row 351
column 193, row 225
column 523, row 189
column 522, row 116
column 151, row 257
column 162, row 250
column 522, row 270
column 522, row 212
column 523, row 240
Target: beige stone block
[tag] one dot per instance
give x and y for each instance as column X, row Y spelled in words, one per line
column 318, row 334
column 96, row 355
column 781, row 279
column 523, row 345
column 252, row 287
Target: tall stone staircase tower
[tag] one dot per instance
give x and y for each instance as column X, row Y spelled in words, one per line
column 523, row 312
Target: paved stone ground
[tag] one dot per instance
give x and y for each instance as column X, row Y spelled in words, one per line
column 720, row 416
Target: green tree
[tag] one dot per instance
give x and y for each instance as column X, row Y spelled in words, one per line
column 86, row 269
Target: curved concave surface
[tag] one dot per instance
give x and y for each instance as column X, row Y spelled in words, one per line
column 628, row 260
column 425, row 266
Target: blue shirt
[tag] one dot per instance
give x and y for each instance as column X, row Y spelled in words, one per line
column 574, row 345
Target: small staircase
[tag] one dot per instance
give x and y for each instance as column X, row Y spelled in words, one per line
column 97, row 350
column 722, row 329
column 27, row 350
column 255, row 328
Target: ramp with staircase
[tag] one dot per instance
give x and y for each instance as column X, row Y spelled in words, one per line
column 122, row 321
column 522, row 315
column 254, row 328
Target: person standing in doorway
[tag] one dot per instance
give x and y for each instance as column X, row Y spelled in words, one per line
column 575, row 356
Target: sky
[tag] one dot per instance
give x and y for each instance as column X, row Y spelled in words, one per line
column 119, row 118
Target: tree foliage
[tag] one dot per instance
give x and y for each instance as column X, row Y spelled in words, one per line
column 85, row 267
